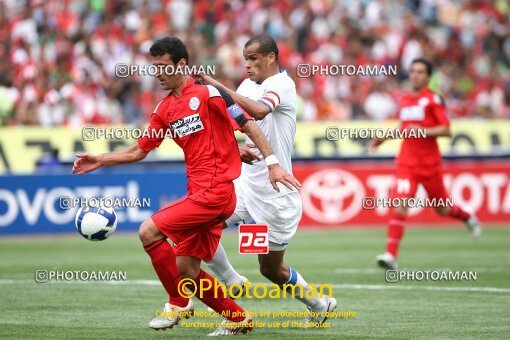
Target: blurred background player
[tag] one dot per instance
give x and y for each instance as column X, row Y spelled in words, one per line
column 269, row 96
column 196, row 114
column 419, row 160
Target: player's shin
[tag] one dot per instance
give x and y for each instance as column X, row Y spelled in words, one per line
column 302, row 291
column 222, row 268
column 395, row 234
column 459, row 213
column 164, row 262
column 211, row 293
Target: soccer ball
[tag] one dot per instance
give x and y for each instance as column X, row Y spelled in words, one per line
column 96, row 223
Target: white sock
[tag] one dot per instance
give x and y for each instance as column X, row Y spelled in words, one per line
column 220, row 266
column 316, row 302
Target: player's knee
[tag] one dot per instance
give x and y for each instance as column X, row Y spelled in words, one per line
column 266, row 271
column 400, row 210
column 188, row 271
column 148, row 232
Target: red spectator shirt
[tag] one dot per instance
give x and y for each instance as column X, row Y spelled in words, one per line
column 200, row 125
column 425, row 109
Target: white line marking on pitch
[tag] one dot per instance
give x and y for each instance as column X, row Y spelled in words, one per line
column 390, row 286
column 381, row 271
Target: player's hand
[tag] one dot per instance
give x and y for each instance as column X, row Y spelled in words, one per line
column 278, row 174
column 248, row 156
column 86, row 162
column 372, row 146
column 206, row 79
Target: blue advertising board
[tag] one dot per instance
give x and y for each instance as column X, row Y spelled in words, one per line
column 33, row 203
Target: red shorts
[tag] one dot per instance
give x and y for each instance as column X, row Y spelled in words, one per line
column 408, row 180
column 195, row 222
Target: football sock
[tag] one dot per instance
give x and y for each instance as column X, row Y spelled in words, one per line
column 222, row 268
column 307, row 295
column 164, row 262
column 395, row 233
column 214, row 297
column 459, row 213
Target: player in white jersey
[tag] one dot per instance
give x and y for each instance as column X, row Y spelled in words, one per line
column 269, row 96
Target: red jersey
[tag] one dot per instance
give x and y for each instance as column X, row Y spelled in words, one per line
column 425, row 109
column 201, row 126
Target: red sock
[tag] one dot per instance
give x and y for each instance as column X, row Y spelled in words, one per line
column 163, row 260
column 395, row 233
column 459, row 213
column 216, row 300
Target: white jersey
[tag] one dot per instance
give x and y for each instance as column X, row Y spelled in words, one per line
column 278, row 92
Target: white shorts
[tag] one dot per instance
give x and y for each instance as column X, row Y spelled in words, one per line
column 281, row 213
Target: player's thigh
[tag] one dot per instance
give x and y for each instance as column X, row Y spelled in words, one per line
column 434, row 185
column 194, row 228
column 281, row 214
column 186, row 214
column 406, row 185
column 436, row 191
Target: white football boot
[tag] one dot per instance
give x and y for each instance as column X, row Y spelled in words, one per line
column 474, row 227
column 228, row 327
column 171, row 316
column 317, row 317
column 387, row 261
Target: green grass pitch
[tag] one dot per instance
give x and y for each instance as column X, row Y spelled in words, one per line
column 343, row 258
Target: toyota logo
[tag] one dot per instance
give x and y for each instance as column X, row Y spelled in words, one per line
column 332, row 196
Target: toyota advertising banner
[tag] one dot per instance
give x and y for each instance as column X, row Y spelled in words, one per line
column 343, row 193
column 334, row 194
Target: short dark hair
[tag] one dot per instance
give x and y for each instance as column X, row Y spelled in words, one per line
column 428, row 64
column 266, row 44
column 172, row 46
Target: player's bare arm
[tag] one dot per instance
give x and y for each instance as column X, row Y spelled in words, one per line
column 373, row 144
column 254, row 108
column 438, row 131
column 88, row 162
column 276, row 172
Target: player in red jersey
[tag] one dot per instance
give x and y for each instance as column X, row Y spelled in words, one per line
column 198, row 120
column 419, row 160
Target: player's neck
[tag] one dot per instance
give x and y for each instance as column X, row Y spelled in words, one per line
column 418, row 90
column 177, row 91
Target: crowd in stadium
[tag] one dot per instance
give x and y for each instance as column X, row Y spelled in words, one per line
column 59, row 57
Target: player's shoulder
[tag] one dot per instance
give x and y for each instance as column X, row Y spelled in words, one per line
column 281, row 79
column 246, row 85
column 162, row 105
column 205, row 91
column 434, row 97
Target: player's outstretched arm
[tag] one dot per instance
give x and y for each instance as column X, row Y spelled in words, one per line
column 276, row 172
column 254, row 108
column 438, row 131
column 88, row 162
column 373, row 144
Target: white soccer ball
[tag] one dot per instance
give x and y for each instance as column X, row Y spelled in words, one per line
column 96, row 223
